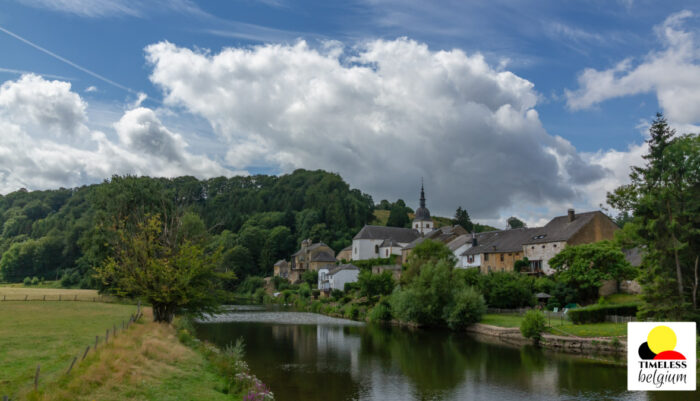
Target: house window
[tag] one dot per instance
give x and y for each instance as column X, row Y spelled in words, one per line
column 470, row 259
column 416, row 225
column 501, row 257
column 533, row 247
column 355, row 250
column 386, row 253
column 535, row 265
column 376, row 249
column 555, row 245
column 542, row 246
column 427, row 225
column 486, row 257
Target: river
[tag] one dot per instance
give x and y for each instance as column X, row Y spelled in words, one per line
column 310, row 357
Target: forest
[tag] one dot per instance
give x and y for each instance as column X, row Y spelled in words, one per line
column 255, row 220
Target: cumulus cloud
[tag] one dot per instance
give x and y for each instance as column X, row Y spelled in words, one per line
column 71, row 154
column 383, row 114
column 673, row 73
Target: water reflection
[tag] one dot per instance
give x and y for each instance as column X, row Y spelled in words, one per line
column 304, row 357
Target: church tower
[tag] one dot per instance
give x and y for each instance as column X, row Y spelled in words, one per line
column 421, row 220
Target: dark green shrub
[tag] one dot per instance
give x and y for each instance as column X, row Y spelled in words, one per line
column 507, row 290
column 372, row 285
column 250, row 284
column 305, row 290
column 280, row 283
column 259, row 296
column 35, row 280
column 310, row 277
column 349, row 287
column 381, row 312
column 533, row 325
column 352, row 311
column 597, row 313
column 468, row 307
column 336, row 294
column 27, row 281
column 316, row 293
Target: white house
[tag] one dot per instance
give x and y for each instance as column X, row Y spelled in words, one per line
column 367, row 243
column 466, row 259
column 334, row 278
column 459, row 245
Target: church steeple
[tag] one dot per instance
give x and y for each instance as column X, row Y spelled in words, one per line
column 421, row 219
column 422, row 194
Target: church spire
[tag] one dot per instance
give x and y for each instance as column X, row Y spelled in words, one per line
column 422, row 194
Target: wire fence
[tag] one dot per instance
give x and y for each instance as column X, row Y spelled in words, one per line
column 59, row 297
column 81, row 355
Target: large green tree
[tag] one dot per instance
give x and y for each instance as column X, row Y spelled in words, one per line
column 154, row 261
column 398, row 216
column 663, row 197
column 585, row 267
column 462, row 219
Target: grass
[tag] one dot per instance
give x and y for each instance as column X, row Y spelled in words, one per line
column 18, row 293
column 146, row 363
column 622, row 298
column 51, row 334
column 561, row 328
column 44, row 284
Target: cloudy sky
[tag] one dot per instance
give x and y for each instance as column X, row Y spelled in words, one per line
column 505, row 108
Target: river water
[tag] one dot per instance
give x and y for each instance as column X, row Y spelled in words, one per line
column 310, row 357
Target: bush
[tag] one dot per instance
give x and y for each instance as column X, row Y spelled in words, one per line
column 250, row 284
column 352, row 311
column 35, row 280
column 259, row 296
column 349, row 287
column 70, row 278
column 310, row 277
column 507, row 290
column 533, row 325
column 544, row 284
column 316, row 293
column 336, row 294
column 381, row 312
column 27, row 281
column 304, row 290
column 372, row 285
column 597, row 313
column 280, row 283
column 468, row 308
column 316, row 306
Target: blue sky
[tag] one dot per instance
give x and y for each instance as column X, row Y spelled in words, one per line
column 546, row 43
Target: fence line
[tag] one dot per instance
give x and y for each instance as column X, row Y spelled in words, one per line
column 125, row 326
column 60, row 298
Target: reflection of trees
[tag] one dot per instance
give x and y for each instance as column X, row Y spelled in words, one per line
column 432, row 360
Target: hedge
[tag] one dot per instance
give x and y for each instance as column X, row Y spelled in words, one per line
column 597, row 313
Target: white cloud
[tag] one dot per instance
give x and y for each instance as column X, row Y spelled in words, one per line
column 91, row 89
column 46, row 142
column 383, row 114
column 673, row 73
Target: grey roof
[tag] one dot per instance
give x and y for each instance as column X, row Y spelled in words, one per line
column 280, row 262
column 309, row 248
column 347, row 248
column 542, row 295
column 389, row 242
column 560, row 228
column 443, row 234
column 502, row 241
column 323, row 256
column 459, row 241
column 397, row 234
column 338, row 268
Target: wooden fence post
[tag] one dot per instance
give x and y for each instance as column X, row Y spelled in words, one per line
column 44, row 297
column 75, row 358
column 36, row 377
column 86, row 352
column 25, row 297
column 59, row 297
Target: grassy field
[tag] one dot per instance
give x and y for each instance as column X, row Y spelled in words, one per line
column 560, row 327
column 51, row 334
column 147, row 363
column 18, row 293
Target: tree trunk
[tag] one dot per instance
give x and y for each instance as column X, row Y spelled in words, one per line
column 163, row 313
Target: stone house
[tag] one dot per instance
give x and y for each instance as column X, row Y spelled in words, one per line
column 571, row 229
column 281, row 268
column 311, row 256
column 344, row 254
column 500, row 251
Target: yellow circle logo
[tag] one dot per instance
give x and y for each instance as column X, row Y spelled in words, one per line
column 661, row 338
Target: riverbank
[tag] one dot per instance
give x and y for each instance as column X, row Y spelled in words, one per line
column 144, row 361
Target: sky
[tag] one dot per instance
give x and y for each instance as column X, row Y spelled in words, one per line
column 505, row 108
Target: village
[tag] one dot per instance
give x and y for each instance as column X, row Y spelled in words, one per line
column 490, row 251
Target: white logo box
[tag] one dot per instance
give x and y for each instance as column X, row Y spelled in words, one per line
column 659, row 375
